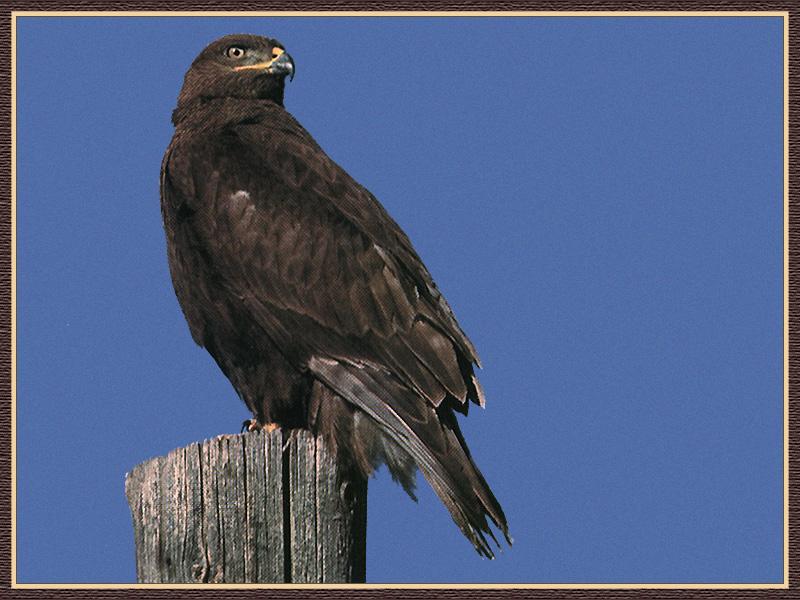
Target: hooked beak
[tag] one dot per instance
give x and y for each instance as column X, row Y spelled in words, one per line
column 281, row 64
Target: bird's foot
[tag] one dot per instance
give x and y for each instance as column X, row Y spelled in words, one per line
column 254, row 425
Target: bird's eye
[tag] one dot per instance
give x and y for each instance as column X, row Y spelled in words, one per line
column 235, row 52
column 276, row 52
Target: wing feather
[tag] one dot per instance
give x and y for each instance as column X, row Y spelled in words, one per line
column 436, row 448
column 325, row 249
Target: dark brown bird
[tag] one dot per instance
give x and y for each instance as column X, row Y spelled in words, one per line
column 307, row 294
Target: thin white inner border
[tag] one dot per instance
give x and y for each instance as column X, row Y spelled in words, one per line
column 730, row 14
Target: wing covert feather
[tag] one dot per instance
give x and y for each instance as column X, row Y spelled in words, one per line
column 287, row 229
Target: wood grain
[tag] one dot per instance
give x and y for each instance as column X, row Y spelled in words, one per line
column 252, row 508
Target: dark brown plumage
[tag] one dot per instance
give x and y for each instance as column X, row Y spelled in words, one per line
column 305, row 291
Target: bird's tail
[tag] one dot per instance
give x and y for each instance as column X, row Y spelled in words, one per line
column 420, row 433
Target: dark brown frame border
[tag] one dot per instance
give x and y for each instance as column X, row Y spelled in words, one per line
column 372, row 5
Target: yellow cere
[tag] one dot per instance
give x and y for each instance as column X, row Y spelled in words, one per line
column 276, row 54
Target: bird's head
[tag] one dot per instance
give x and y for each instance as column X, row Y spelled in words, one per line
column 238, row 66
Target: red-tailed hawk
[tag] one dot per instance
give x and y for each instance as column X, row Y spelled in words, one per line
column 304, row 290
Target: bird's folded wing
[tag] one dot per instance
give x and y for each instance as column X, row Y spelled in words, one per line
column 304, row 167
column 303, row 245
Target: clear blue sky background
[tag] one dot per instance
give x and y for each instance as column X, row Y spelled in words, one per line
column 600, row 199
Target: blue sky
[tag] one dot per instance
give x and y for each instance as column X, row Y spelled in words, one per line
column 600, row 199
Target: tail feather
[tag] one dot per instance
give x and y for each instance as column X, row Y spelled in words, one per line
column 358, row 439
column 430, row 436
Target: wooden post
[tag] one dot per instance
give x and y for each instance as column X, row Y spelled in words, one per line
column 252, row 508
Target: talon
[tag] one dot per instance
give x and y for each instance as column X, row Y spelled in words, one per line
column 250, row 425
column 254, row 425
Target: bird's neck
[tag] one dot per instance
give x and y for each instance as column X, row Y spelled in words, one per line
column 207, row 112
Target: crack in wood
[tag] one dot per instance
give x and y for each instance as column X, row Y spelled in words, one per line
column 260, row 507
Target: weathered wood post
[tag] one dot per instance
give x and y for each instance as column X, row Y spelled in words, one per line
column 252, row 508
